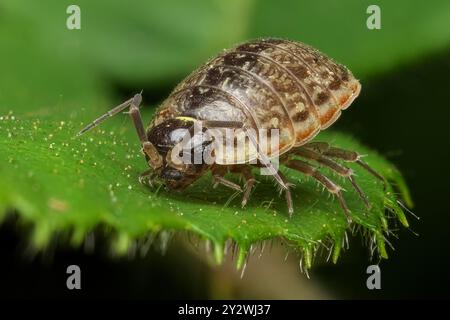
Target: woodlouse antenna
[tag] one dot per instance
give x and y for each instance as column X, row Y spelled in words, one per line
column 155, row 160
column 105, row 116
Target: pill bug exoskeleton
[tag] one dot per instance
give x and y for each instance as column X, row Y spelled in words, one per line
column 262, row 84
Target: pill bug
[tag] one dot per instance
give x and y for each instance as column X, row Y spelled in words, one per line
column 261, row 84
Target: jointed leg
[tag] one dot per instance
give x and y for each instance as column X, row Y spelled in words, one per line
column 342, row 154
column 218, row 176
column 246, row 172
column 328, row 151
column 287, row 193
column 311, row 171
column 351, row 156
column 265, row 162
column 334, row 166
column 283, row 183
column 148, row 147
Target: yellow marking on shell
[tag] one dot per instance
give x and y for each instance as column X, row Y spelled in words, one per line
column 182, row 118
column 306, row 80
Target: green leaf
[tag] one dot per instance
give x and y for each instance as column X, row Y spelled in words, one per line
column 70, row 186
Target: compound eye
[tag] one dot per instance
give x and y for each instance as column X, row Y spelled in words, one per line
column 178, row 135
column 167, row 134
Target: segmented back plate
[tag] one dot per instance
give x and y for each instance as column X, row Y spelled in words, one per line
column 268, row 83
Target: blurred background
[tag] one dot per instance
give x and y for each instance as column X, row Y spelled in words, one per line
column 123, row 47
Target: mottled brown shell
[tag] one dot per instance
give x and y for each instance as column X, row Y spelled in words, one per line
column 269, row 83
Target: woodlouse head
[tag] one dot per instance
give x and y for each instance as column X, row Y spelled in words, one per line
column 180, row 147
